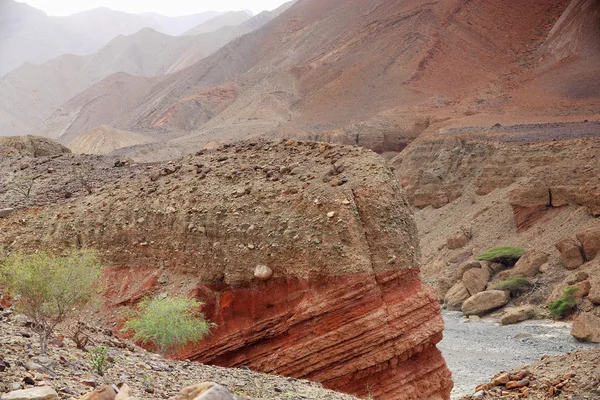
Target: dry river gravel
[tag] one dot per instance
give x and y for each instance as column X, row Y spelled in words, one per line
column 477, row 350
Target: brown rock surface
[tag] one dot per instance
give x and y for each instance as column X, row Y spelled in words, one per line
column 459, row 239
column 211, row 219
column 570, row 253
column 467, row 265
column 475, row 280
column 590, row 241
column 456, row 296
column 484, row 302
column 529, row 264
column 586, row 327
column 529, row 203
column 517, row 314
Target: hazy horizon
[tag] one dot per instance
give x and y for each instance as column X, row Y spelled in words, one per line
column 172, row 8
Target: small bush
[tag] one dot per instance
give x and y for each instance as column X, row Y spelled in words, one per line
column 169, row 323
column 99, row 358
column 516, row 284
column 49, row 288
column 566, row 304
column 504, row 255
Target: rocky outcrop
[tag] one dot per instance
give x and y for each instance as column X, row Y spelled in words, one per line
column 529, row 264
column 344, row 304
column 590, row 242
column 571, row 253
column 529, row 203
column 586, row 327
column 484, row 302
column 32, row 146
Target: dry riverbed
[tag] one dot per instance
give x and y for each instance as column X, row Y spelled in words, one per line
column 477, row 350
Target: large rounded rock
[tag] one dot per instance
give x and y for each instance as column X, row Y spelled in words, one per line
column 590, row 240
column 456, row 296
column 529, row 265
column 586, row 327
column 517, row 314
column 459, row 239
column 476, row 280
column 571, row 253
column 38, row 393
column 205, row 391
column 484, row 302
column 465, row 266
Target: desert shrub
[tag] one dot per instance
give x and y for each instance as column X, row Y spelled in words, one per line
column 99, row 359
column 504, row 255
column 516, row 284
column 169, row 323
column 566, row 304
column 49, row 287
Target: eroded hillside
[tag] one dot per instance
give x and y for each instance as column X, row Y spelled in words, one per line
column 305, row 254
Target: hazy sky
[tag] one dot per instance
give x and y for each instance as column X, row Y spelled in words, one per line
column 167, row 7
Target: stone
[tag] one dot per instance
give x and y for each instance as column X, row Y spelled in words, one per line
column 583, row 289
column 484, row 302
column 501, row 379
column 571, row 253
column 205, row 391
column 5, row 212
column 586, row 328
column 590, row 241
column 104, row 393
column 476, row 280
column 529, row 264
column 263, row 272
column 37, row 393
column 125, row 393
column 529, row 203
column 458, row 239
column 594, row 294
column 456, row 296
column 517, row 384
column 517, row 314
column 464, row 267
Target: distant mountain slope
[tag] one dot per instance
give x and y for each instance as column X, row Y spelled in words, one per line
column 105, row 139
column 29, row 35
column 232, row 18
column 31, row 93
column 175, row 26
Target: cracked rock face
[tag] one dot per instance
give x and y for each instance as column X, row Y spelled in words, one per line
column 344, row 305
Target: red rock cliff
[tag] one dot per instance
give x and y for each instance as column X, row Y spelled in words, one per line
column 344, row 306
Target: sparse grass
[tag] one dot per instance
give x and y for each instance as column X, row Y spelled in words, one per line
column 566, row 304
column 504, row 255
column 516, row 285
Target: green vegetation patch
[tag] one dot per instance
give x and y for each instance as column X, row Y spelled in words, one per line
column 516, row 284
column 504, row 255
column 566, row 304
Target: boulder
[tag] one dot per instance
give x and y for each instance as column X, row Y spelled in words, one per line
column 484, row 302
column 583, row 289
column 456, row 296
column 104, row 393
column 586, row 328
column 590, row 241
column 594, row 294
column 464, row 267
column 37, row 393
column 459, row 239
column 205, row 391
column 515, row 315
column 476, row 279
column 529, row 265
column 571, row 253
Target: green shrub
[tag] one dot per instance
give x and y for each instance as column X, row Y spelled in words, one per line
column 504, row 255
column 99, row 359
column 48, row 287
column 169, row 323
column 516, row 284
column 566, row 304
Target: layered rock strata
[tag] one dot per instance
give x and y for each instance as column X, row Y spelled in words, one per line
column 344, row 305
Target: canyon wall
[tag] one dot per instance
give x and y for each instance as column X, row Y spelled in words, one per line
column 305, row 254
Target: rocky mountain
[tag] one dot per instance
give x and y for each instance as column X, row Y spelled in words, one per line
column 146, row 53
column 232, row 18
column 361, row 74
column 175, row 26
